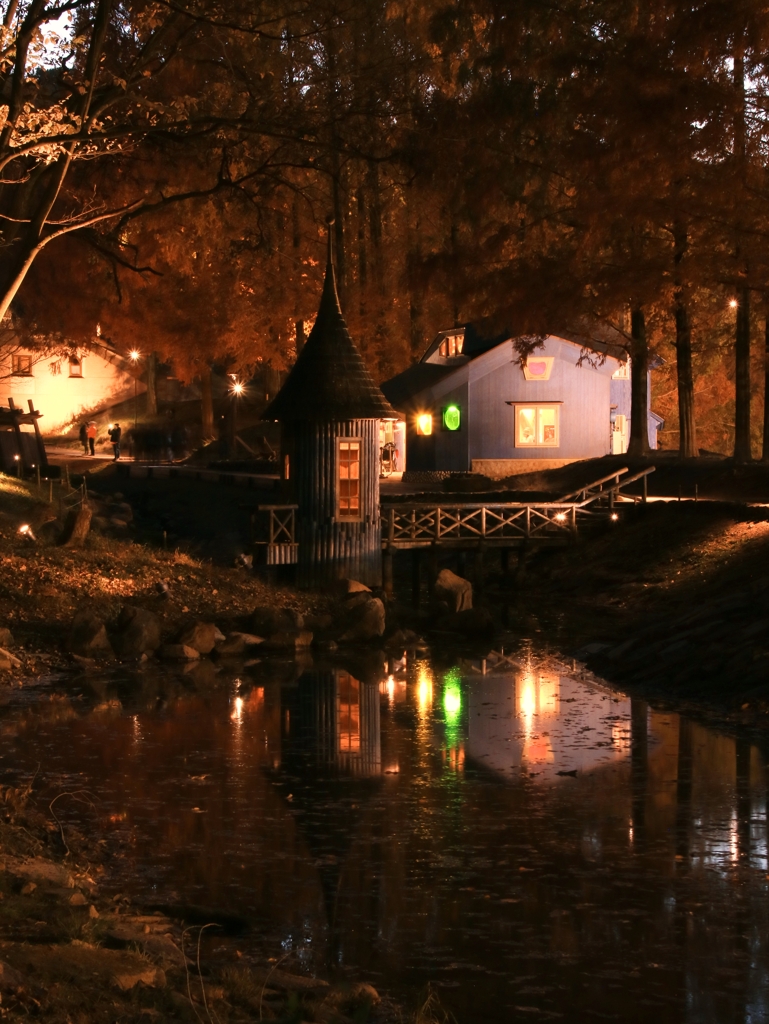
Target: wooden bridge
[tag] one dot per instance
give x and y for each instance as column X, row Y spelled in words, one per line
column 413, row 526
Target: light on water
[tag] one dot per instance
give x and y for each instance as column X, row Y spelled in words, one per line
column 535, row 845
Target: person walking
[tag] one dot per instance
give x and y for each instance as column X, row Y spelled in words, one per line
column 114, row 436
column 84, row 438
column 91, row 434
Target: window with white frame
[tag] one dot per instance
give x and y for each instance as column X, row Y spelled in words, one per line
column 21, row 364
column 537, row 426
column 348, row 478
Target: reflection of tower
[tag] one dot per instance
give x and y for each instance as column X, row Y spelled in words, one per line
column 333, row 733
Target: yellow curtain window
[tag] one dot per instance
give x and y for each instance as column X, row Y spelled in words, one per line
column 536, row 426
column 348, row 713
column 349, row 479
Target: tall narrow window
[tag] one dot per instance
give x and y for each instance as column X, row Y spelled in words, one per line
column 75, row 367
column 349, row 479
column 21, row 364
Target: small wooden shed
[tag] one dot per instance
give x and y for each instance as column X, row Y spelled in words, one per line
column 329, row 409
column 21, row 451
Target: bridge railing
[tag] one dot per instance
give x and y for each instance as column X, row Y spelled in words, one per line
column 421, row 525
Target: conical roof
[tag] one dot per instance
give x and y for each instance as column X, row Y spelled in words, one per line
column 329, row 380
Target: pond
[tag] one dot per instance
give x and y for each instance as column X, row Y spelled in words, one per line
column 535, row 845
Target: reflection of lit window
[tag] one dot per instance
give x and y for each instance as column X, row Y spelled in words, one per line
column 424, row 689
column 536, row 426
column 425, row 424
column 349, row 479
column 348, row 713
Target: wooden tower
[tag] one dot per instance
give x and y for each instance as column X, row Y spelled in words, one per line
column 329, row 409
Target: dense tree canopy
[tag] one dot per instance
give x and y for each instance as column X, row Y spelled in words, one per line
column 167, row 170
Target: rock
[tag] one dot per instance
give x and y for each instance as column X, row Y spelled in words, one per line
column 473, row 622
column 249, row 639
column 93, row 913
column 6, row 637
column 289, row 640
column 231, row 646
column 178, row 652
column 119, row 524
column 319, row 622
column 9, row 978
column 365, row 621
column 146, row 975
column 201, row 636
column 345, row 588
column 38, row 870
column 356, row 600
column 265, row 621
column 88, row 636
column 77, row 526
column 404, row 638
column 120, row 510
column 99, row 523
column 138, row 632
column 28, row 889
column 11, row 659
column 77, row 899
column 454, row 590
column 246, row 561
column 218, row 635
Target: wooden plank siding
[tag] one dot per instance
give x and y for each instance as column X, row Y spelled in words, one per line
column 329, row 547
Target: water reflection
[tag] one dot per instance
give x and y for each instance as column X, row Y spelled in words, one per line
column 534, row 843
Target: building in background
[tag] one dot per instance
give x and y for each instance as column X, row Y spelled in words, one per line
column 472, row 404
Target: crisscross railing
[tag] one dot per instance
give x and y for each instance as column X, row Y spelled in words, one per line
column 496, row 524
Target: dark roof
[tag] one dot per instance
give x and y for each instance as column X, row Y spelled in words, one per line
column 329, row 380
column 400, row 390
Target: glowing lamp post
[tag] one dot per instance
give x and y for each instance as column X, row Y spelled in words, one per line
column 134, row 356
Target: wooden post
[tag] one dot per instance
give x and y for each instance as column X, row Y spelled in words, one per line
column 50, row 491
column 42, row 458
column 66, row 480
column 573, row 523
column 416, row 577
column 504, row 560
column 37, row 476
column 646, row 489
column 17, row 432
column 387, row 571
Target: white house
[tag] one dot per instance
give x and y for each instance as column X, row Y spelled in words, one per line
column 64, row 388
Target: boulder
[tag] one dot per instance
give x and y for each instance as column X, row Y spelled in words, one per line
column 289, row 639
column 138, row 632
column 38, row 870
column 10, row 978
column 344, row 588
column 88, row 636
column 6, row 637
column 121, row 510
column 454, row 590
column 178, row 652
column 99, row 523
column 231, row 647
column 200, row 635
column 365, row 621
column 474, row 623
column 266, row 621
column 319, row 622
column 404, row 638
column 9, row 660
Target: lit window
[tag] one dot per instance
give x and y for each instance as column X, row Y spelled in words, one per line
column 622, row 372
column 349, row 479
column 452, row 417
column 75, row 367
column 425, row 423
column 536, row 426
column 452, row 346
column 21, row 364
column 348, row 708
column 538, row 367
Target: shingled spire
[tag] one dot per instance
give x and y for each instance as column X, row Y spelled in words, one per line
column 329, row 380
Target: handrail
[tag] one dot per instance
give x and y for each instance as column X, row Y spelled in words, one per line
column 595, row 483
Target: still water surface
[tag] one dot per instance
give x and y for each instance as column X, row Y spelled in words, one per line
column 537, row 846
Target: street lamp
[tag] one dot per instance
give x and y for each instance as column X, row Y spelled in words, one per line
column 134, row 356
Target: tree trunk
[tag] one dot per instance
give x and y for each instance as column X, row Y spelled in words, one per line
column 765, row 446
column 687, row 443
column 687, row 438
column 207, row 405
column 152, row 382
column 639, row 386
column 742, row 450
column 301, row 337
